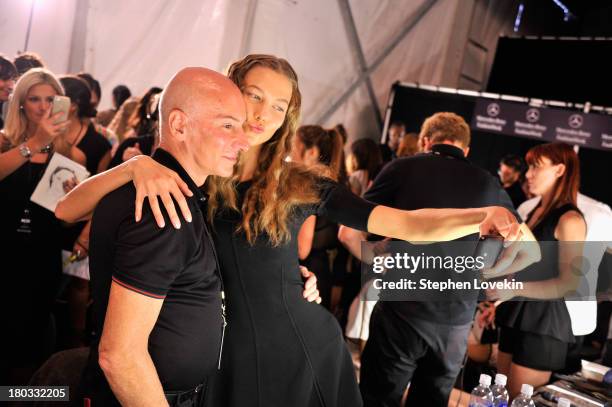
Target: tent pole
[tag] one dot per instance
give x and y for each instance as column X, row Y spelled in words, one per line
column 245, row 47
column 76, row 58
column 377, row 61
column 351, row 28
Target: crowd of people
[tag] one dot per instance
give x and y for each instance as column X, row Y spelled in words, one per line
column 188, row 267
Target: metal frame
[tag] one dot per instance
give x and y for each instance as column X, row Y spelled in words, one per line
column 365, row 74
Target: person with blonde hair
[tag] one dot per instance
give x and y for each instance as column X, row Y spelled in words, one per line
column 278, row 348
column 29, row 234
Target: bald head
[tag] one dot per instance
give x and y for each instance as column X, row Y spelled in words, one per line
column 201, row 117
column 198, row 92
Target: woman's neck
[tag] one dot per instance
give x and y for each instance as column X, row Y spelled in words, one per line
column 250, row 158
column 546, row 199
column 73, row 133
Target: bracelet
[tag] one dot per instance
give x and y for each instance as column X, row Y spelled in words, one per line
column 25, row 151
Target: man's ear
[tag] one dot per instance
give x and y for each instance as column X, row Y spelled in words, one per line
column 177, row 122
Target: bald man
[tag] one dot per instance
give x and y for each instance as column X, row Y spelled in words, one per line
column 158, row 307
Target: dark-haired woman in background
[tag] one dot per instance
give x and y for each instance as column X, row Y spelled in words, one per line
column 121, row 93
column 318, row 236
column 144, row 143
column 535, row 335
column 91, row 149
column 363, row 164
column 141, row 121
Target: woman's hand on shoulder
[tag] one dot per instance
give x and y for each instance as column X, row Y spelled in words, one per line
column 152, row 181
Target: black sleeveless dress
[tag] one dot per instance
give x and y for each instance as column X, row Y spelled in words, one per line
column 281, row 350
column 551, row 317
column 31, row 266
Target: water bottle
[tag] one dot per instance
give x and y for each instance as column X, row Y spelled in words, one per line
column 524, row 399
column 564, row 403
column 481, row 396
column 500, row 394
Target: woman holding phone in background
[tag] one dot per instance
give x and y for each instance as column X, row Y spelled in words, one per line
column 29, row 234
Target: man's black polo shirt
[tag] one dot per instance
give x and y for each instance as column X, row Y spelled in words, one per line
column 178, row 266
column 441, row 179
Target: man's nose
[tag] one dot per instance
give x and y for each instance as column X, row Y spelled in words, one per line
column 242, row 141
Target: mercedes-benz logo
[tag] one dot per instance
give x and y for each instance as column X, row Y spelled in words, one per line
column 532, row 115
column 575, row 121
column 493, row 109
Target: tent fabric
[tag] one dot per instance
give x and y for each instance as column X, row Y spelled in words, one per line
column 142, row 43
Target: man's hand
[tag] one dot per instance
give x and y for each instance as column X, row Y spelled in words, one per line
column 500, row 221
column 516, row 256
column 311, row 293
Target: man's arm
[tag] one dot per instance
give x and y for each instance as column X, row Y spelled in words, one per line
column 123, row 350
column 351, row 239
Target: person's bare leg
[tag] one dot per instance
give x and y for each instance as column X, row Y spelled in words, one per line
column 521, row 374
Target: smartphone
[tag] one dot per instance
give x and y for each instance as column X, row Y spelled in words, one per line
column 60, row 104
column 489, row 247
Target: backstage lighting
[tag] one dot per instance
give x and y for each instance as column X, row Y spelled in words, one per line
column 519, row 15
column 567, row 14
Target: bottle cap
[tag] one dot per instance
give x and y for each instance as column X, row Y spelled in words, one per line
column 501, row 379
column 527, row 389
column 564, row 403
column 485, row 380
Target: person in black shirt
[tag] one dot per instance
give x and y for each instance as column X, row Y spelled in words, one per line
column 8, row 76
column 423, row 343
column 510, row 174
column 157, row 294
column 396, row 133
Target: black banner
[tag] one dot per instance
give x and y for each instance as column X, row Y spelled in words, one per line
column 547, row 124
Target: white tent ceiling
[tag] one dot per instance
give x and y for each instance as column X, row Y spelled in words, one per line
column 347, row 53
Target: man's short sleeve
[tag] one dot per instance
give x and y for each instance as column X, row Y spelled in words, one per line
column 148, row 258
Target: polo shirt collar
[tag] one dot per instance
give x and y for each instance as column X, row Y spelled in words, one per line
column 167, row 160
column 448, row 150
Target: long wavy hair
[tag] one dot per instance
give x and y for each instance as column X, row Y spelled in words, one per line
column 566, row 187
column 16, row 122
column 277, row 187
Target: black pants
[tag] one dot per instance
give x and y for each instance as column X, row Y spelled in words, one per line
column 426, row 355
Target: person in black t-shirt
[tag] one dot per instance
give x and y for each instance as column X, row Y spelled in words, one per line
column 423, row 343
column 8, row 76
column 157, row 293
column 510, row 174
